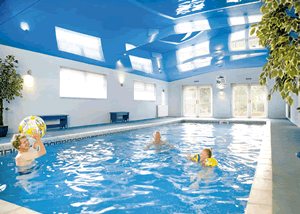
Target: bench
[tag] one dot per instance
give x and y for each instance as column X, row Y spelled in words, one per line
column 63, row 120
column 119, row 116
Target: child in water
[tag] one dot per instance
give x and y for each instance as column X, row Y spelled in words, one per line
column 204, row 158
column 158, row 142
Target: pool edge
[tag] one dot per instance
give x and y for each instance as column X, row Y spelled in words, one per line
column 260, row 199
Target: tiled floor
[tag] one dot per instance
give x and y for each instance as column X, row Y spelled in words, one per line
column 276, row 186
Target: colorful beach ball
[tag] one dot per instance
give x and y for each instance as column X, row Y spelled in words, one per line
column 30, row 123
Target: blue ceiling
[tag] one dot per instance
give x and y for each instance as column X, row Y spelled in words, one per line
column 167, row 40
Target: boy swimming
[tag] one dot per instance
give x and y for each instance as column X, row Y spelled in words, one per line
column 21, row 143
column 158, row 142
column 204, row 158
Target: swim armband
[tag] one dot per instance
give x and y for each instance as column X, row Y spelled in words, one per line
column 211, row 162
column 196, row 158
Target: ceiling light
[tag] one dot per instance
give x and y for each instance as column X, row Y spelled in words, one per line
column 24, row 26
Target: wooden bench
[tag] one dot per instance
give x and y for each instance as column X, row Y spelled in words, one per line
column 63, row 120
column 119, row 116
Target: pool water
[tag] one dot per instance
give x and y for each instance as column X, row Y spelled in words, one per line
column 114, row 174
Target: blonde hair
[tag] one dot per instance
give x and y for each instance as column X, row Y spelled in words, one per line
column 15, row 141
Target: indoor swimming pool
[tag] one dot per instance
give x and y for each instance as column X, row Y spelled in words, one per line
column 114, row 174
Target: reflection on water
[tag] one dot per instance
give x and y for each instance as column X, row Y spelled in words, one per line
column 114, row 172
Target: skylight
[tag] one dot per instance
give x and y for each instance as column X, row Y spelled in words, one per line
column 239, row 20
column 237, row 41
column 242, row 56
column 254, row 18
column 192, row 51
column 197, row 63
column 141, row 64
column 188, row 6
column 254, row 42
column 79, row 44
column 186, row 27
column 129, row 47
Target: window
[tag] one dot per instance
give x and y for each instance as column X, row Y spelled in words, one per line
column 79, row 44
column 144, row 91
column 81, row 84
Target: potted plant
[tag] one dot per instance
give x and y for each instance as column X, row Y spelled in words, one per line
column 11, row 84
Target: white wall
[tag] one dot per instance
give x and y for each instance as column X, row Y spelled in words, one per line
column 43, row 97
column 222, row 108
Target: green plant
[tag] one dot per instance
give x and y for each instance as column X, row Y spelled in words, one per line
column 11, row 83
column 279, row 31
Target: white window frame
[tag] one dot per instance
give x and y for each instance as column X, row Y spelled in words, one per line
column 81, row 85
column 139, row 99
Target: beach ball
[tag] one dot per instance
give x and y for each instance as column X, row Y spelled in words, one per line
column 30, row 123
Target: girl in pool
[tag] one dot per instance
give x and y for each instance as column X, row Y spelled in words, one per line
column 204, row 158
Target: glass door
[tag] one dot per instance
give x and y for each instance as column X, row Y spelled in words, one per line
column 197, row 101
column 258, row 100
column 190, row 101
column 205, row 101
column 249, row 100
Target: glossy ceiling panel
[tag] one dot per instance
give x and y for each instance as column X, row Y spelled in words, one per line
column 142, row 37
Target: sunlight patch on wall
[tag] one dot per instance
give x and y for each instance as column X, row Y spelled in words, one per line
column 79, row 44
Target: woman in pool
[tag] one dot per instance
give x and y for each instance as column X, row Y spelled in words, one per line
column 204, row 158
column 158, row 143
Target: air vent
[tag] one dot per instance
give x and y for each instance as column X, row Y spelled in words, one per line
column 196, row 81
column 248, row 78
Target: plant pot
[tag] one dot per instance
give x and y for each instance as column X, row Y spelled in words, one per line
column 3, row 131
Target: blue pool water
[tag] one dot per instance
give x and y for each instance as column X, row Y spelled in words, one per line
column 114, row 174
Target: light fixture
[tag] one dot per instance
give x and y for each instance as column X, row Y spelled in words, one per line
column 124, row 54
column 121, row 79
column 29, row 72
column 24, row 26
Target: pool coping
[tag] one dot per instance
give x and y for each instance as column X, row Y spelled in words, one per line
column 260, row 198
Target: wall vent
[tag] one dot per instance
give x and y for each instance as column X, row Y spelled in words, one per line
column 248, row 78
